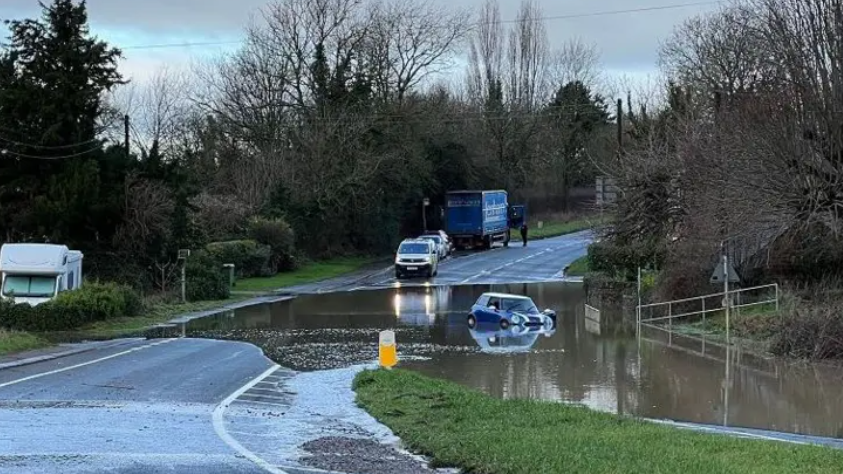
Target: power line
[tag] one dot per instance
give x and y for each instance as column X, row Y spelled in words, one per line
column 673, row 6
column 5, row 152
column 47, row 147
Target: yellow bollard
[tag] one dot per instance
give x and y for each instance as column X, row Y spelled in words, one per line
column 387, row 352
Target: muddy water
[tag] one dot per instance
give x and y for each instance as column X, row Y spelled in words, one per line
column 659, row 375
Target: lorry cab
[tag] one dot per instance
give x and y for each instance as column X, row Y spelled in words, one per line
column 36, row 273
column 517, row 215
column 416, row 257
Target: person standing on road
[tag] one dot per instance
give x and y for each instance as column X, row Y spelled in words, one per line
column 524, row 233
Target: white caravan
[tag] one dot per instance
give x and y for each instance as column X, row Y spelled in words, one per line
column 35, row 273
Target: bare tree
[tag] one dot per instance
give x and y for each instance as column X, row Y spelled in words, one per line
column 718, row 52
column 528, row 57
column 486, row 54
column 575, row 61
column 409, row 41
column 147, row 212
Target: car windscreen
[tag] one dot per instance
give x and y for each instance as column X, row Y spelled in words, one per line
column 520, row 305
column 414, row 248
column 24, row 285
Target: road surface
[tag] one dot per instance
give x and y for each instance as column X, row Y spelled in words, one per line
column 540, row 260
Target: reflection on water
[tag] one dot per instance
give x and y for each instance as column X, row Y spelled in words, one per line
column 659, row 375
column 493, row 340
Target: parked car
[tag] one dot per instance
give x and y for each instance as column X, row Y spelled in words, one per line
column 505, row 310
column 441, row 245
column 416, row 257
column 449, row 242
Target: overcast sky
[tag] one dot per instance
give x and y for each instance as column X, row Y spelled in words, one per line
column 628, row 41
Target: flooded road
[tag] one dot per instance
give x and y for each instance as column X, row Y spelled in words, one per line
column 660, row 375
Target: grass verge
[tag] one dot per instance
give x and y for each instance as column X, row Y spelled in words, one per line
column 19, row 341
column 556, row 226
column 578, row 267
column 155, row 313
column 307, row 274
column 464, row 428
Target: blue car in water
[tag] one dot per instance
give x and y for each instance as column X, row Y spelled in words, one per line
column 505, row 310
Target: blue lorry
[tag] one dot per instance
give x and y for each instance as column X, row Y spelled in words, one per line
column 480, row 218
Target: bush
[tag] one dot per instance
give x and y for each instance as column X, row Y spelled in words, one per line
column 279, row 236
column 205, row 278
column 812, row 332
column 250, row 258
column 622, row 261
column 73, row 309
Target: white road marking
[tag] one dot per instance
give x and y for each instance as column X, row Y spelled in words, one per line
column 90, row 362
column 513, row 262
column 219, row 423
column 726, row 431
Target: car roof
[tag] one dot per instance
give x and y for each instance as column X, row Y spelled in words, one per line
column 415, row 241
column 506, row 295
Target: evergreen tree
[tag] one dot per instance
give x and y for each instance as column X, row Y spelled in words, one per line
column 53, row 75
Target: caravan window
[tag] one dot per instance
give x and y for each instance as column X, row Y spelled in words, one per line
column 23, row 285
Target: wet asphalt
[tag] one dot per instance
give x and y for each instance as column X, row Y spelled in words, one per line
column 206, row 406
column 540, row 261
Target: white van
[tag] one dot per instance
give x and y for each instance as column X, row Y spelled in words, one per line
column 417, row 257
column 35, row 273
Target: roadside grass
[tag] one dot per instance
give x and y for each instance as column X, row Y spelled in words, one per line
column 556, row 225
column 309, row 273
column 463, row 428
column 19, row 341
column 156, row 312
column 578, row 267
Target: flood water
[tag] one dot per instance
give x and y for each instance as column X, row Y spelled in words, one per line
column 659, row 375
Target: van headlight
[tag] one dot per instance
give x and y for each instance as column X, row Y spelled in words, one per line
column 516, row 319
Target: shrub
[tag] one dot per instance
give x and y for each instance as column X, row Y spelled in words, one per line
column 250, row 258
column 205, row 278
column 623, row 261
column 279, row 236
column 810, row 333
column 73, row 309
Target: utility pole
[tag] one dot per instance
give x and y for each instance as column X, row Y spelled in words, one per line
column 726, row 302
column 425, row 203
column 620, row 128
column 126, row 133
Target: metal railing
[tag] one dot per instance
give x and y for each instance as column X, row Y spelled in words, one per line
column 696, row 306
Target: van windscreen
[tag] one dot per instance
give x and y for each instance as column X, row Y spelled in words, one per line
column 26, row 285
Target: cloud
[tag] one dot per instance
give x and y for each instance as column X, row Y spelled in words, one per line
column 627, row 41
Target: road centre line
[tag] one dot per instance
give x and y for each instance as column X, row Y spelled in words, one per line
column 219, row 423
column 520, row 260
column 90, row 362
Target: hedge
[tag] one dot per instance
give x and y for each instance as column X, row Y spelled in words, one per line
column 279, row 236
column 622, row 261
column 205, row 278
column 250, row 258
column 73, row 309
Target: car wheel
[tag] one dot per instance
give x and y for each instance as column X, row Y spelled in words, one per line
column 472, row 321
column 504, row 324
